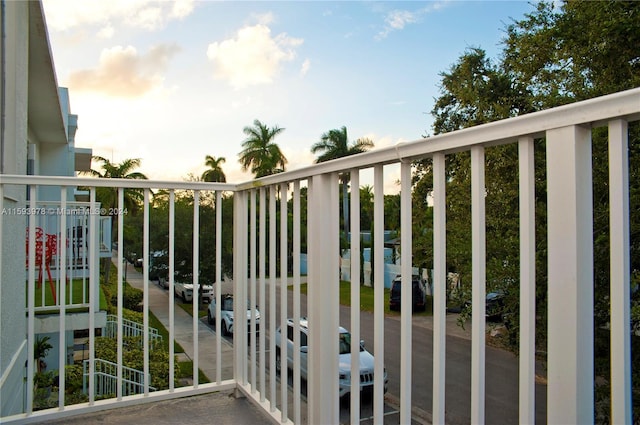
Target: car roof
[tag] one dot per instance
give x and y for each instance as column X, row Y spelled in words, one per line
column 304, row 325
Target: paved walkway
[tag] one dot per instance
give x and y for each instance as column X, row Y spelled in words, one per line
column 184, row 332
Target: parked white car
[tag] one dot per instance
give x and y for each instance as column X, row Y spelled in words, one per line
column 226, row 315
column 344, row 365
column 185, row 291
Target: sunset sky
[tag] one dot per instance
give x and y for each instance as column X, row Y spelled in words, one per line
column 171, row 82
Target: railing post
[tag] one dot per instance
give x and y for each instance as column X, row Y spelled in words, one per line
column 570, row 261
column 621, row 404
column 323, row 305
column 527, row 280
column 240, row 264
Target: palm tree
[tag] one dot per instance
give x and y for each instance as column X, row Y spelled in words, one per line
column 260, row 155
column 214, row 173
column 334, row 144
column 108, row 196
column 41, row 348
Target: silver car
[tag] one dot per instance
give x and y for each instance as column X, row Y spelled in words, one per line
column 226, row 314
column 344, row 365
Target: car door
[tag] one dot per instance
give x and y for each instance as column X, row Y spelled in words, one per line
column 303, row 351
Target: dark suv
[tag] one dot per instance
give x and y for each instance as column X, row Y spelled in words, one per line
column 419, row 294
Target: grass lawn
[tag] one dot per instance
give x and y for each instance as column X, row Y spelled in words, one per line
column 185, row 370
column 367, row 299
column 75, row 291
column 188, row 307
column 154, row 322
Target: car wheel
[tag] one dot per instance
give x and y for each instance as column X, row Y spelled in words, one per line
column 278, row 361
column 209, row 318
column 184, row 298
column 225, row 331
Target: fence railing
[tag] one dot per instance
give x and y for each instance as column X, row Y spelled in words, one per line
column 129, row 329
column 106, row 379
column 279, row 217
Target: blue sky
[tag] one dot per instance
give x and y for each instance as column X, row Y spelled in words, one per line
column 170, row 82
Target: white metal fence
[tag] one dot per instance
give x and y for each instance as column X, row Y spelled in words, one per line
column 106, row 379
column 268, row 236
column 129, row 329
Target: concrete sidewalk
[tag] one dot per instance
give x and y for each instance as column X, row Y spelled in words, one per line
column 207, row 357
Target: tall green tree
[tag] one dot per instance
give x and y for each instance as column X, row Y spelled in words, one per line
column 108, row 196
column 260, row 154
column 334, row 144
column 214, row 172
column 556, row 54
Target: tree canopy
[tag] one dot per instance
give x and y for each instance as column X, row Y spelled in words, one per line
column 260, row 154
column 555, row 55
column 214, row 171
column 334, row 144
column 123, row 170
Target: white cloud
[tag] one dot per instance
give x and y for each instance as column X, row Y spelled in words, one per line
column 265, row 18
column 122, row 72
column 148, row 18
column 252, row 57
column 397, row 20
column 182, row 8
column 306, row 65
column 106, row 32
column 63, row 15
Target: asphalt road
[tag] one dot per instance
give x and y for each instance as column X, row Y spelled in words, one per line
column 501, row 373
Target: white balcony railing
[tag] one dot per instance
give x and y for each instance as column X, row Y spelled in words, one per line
column 106, row 379
column 130, row 329
column 268, row 239
column 47, row 240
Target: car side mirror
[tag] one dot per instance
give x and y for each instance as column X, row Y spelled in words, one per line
column 303, row 350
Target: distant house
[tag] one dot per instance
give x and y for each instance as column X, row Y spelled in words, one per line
column 38, row 138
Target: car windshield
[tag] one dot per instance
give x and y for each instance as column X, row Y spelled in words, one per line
column 227, row 304
column 345, row 343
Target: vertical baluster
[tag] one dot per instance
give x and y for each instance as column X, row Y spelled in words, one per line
column 527, row 281
column 262, row 295
column 406, row 303
column 62, row 270
column 252, row 289
column 284, row 390
column 439, row 287
column 94, row 275
column 354, row 258
column 145, row 292
column 120, row 324
column 272, row 295
column 296, row 302
column 218, row 287
column 478, row 248
column 378, row 302
column 172, row 330
column 620, row 267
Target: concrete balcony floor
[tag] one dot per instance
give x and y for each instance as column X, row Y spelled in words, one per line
column 221, row 408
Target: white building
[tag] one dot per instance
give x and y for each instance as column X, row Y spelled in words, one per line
column 37, row 137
